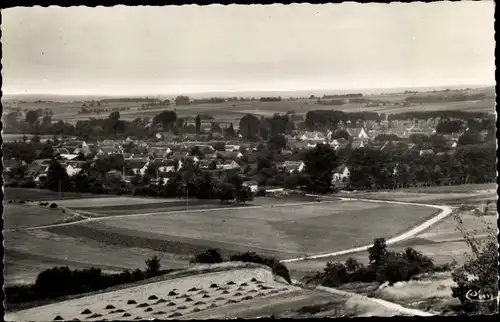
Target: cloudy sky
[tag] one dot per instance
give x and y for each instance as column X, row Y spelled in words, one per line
column 189, row 49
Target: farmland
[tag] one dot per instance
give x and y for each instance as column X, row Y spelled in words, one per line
column 284, row 231
column 232, row 111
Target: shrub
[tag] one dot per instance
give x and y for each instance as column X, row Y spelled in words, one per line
column 479, row 274
column 210, row 256
column 278, row 268
column 153, row 266
column 53, row 205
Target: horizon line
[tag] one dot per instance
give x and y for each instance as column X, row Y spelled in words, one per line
column 253, row 90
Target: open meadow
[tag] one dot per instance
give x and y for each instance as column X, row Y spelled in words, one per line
column 125, row 238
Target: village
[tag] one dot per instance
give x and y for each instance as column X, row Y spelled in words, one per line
column 167, row 153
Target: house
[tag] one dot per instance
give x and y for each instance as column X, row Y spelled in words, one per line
column 426, row 152
column 357, row 145
column 137, row 166
column 207, row 163
column 358, row 133
column 167, row 165
column 230, row 165
column 252, row 184
column 9, row 164
column 72, row 170
column 229, row 155
column 292, row 166
column 107, row 150
column 232, row 147
column 341, row 174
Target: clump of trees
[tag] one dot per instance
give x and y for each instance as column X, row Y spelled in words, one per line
column 61, row 281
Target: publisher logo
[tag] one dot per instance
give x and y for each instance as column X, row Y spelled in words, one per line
column 479, row 296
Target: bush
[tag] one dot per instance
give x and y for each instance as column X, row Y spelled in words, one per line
column 210, row 256
column 153, row 266
column 53, row 205
column 278, row 268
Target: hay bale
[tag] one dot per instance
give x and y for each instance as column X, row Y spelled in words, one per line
column 160, row 301
column 199, row 303
column 243, row 284
column 130, row 302
column 182, row 307
column 143, row 305
column 220, row 298
column 58, row 318
column 125, row 315
column 252, row 291
column 205, row 296
column 273, row 292
column 93, row 316
column 231, row 301
column 118, row 311
column 172, row 293
column 213, row 285
column 192, row 289
column 138, row 318
column 149, row 309
column 238, row 294
column 196, row 309
column 152, row 297
column 174, row 315
column 86, row 311
column 109, row 307
column 188, row 299
column 240, row 289
column 225, row 292
column 160, row 312
column 259, row 282
column 202, row 292
column 245, row 298
column 171, row 304
column 183, row 296
column 230, row 283
column 213, row 305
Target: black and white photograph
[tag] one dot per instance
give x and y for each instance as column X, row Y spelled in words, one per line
column 249, row 161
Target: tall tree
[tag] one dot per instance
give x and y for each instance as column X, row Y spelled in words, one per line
column 320, row 163
column 250, row 127
column 198, row 124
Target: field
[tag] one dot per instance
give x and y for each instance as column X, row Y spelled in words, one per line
column 284, row 230
column 232, row 111
column 43, row 194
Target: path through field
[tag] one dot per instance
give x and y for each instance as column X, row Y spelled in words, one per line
column 445, row 212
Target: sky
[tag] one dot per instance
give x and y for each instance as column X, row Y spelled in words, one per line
column 191, row 49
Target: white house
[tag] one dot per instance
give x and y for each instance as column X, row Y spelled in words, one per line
column 292, row 166
column 72, row 170
column 341, row 174
column 232, row 147
column 253, row 185
column 230, row 165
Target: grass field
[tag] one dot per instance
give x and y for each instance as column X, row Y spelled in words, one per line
column 282, row 231
column 23, row 216
column 11, row 193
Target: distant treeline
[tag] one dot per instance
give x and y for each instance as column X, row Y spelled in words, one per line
column 319, row 120
column 322, row 120
column 209, row 100
column 130, row 100
column 270, row 99
column 445, row 98
column 441, row 114
column 330, row 102
column 343, row 96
